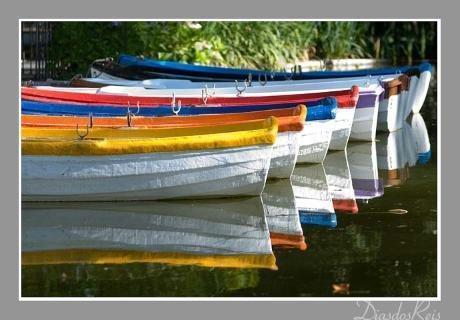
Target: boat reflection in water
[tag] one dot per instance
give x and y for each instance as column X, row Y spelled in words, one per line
column 340, row 183
column 421, row 138
column 362, row 159
column 209, row 233
column 282, row 215
column 312, row 196
column 392, row 155
column 401, row 149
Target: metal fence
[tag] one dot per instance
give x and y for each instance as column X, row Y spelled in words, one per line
column 35, row 42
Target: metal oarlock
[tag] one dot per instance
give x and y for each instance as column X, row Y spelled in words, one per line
column 294, row 70
column 137, row 111
column 249, row 80
column 263, row 83
column 368, row 81
column 240, row 91
column 130, row 114
column 173, row 105
column 82, row 136
column 205, row 93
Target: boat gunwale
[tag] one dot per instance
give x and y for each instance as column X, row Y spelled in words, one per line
column 266, row 134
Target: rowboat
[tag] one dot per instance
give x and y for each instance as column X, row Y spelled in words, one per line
column 365, row 118
column 282, row 215
column 140, row 68
column 340, row 184
column 312, row 195
column 146, row 164
column 362, row 160
column 323, row 109
column 288, row 118
column 284, row 156
column 228, row 233
column 281, row 98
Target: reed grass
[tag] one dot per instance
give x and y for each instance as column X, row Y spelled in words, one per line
column 262, row 45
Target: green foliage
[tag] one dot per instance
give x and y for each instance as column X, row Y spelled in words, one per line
column 404, row 41
column 255, row 44
column 342, row 39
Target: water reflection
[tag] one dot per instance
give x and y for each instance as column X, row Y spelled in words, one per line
column 399, row 150
column 364, row 173
column 282, row 215
column 421, row 138
column 221, row 247
column 135, row 280
column 211, row 233
column 340, row 182
column 312, row 196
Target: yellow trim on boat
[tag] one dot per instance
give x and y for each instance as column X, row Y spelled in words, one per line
column 140, row 133
column 303, row 112
column 97, row 256
column 107, row 141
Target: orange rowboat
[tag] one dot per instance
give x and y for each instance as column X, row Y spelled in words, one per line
column 285, row 150
column 289, row 119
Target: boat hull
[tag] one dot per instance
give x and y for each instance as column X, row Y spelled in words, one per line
column 422, row 90
column 184, row 174
column 284, row 155
column 366, row 115
column 314, row 141
column 388, row 114
column 342, row 128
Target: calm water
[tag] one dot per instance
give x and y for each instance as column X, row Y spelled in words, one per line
column 256, row 247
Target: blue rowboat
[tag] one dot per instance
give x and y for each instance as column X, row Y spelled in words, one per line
column 317, row 110
column 143, row 68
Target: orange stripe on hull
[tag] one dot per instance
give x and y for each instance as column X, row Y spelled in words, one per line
column 345, row 205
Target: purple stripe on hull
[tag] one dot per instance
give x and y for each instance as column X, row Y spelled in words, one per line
column 368, row 188
column 366, row 100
